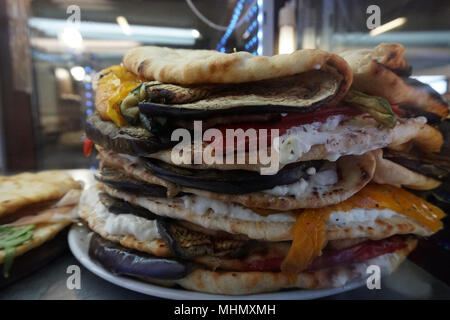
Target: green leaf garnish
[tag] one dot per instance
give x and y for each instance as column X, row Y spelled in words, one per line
column 10, row 238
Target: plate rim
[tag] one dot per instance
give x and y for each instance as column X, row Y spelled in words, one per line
column 80, row 252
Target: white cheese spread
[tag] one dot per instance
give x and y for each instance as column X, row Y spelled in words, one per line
column 123, row 224
column 360, row 216
column 201, row 206
column 356, row 136
column 319, row 181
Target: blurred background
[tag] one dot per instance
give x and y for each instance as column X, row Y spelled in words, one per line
column 52, row 49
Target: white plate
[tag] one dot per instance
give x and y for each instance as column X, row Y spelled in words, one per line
column 79, row 244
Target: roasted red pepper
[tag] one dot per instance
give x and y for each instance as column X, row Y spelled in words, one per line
column 87, row 147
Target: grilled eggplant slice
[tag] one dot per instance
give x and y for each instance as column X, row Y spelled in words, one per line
column 412, row 111
column 229, row 181
column 122, row 261
column 303, row 92
column 431, row 165
column 425, row 88
column 435, row 103
column 129, row 139
column 119, row 206
column 187, row 243
column 118, row 180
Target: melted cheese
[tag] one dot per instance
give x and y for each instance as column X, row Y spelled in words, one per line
column 309, row 230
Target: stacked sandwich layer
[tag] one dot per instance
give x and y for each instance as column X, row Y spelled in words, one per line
column 34, row 208
column 310, row 217
column 384, row 72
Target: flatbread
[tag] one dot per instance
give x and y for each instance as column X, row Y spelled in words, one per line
column 242, row 283
column 375, row 72
column 418, row 133
column 267, row 229
column 389, row 172
column 156, row 247
column 41, row 234
column 186, row 66
column 354, row 172
column 24, row 189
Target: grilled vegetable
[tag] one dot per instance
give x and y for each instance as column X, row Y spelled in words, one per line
column 122, row 261
column 229, row 181
column 187, row 243
column 425, row 88
column 87, row 147
column 379, row 108
column 432, row 165
column 121, row 181
column 303, row 92
column 443, row 194
column 130, row 140
column 158, row 126
column 412, row 111
column 129, row 106
column 119, row 206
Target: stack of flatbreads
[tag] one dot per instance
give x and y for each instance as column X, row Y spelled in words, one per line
column 34, row 208
column 311, row 217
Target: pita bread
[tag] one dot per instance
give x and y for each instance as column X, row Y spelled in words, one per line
column 268, row 229
column 374, row 72
column 185, row 66
column 242, row 283
column 41, row 234
column 156, row 247
column 354, row 172
column 416, row 132
column 389, row 172
column 28, row 188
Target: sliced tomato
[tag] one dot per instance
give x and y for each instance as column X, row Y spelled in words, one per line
column 286, row 122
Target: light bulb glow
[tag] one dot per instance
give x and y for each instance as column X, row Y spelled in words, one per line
column 388, row 26
column 123, row 23
column 195, row 33
column 71, row 38
column 78, row 73
column 286, row 41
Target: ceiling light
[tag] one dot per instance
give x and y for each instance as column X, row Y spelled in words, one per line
column 78, row 73
column 123, row 24
column 112, row 31
column 195, row 33
column 388, row 26
column 71, row 37
column 61, row 73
